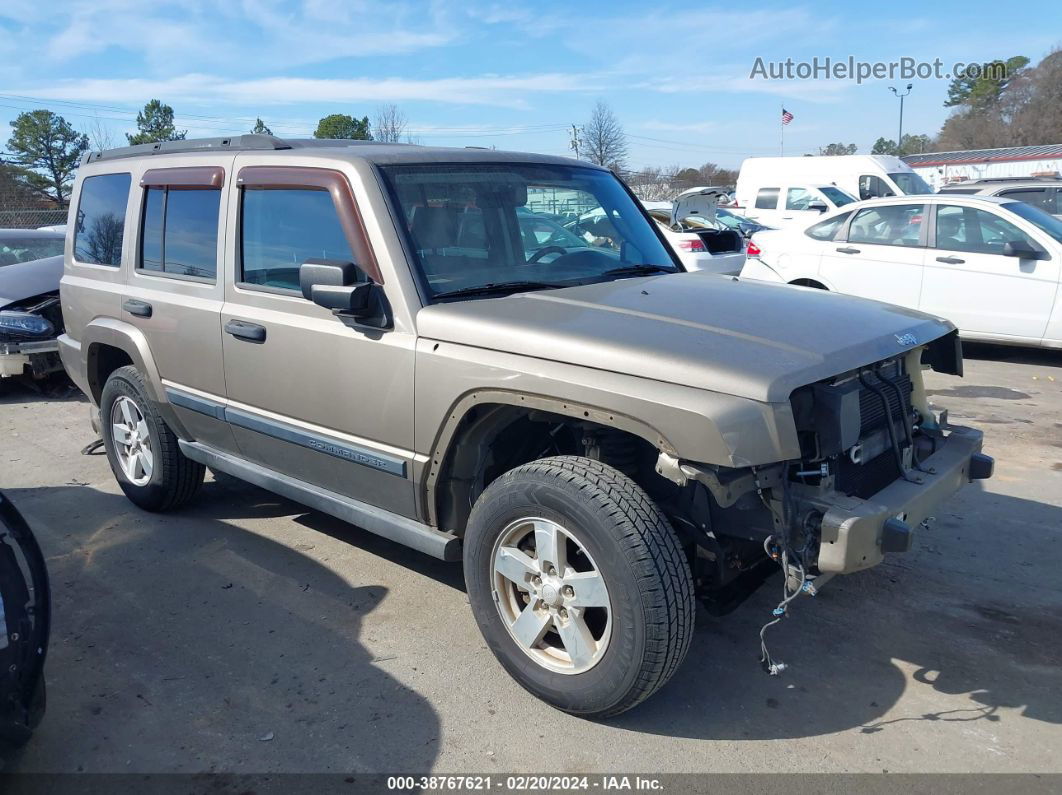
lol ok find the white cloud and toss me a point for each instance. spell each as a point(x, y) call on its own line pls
point(732, 82)
point(172, 34)
point(498, 90)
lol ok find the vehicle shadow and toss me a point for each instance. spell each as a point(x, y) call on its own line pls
point(55, 387)
point(945, 616)
point(221, 627)
point(237, 499)
point(1016, 354)
point(185, 643)
point(973, 612)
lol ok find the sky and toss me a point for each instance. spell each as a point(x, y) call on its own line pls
point(514, 75)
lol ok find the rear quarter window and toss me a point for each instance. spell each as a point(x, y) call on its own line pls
point(100, 222)
point(828, 229)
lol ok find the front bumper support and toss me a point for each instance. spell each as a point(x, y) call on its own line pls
point(856, 534)
point(40, 356)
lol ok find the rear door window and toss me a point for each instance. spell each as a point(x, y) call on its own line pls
point(100, 221)
point(767, 199)
point(180, 232)
point(892, 225)
point(1037, 197)
point(282, 228)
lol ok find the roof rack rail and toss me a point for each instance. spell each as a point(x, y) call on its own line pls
point(235, 143)
point(991, 180)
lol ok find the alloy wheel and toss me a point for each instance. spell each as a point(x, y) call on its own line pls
point(551, 595)
point(132, 441)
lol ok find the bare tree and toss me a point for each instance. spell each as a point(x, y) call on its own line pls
point(650, 184)
point(604, 141)
point(100, 136)
point(390, 125)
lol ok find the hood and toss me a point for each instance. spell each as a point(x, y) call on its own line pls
point(752, 339)
point(28, 279)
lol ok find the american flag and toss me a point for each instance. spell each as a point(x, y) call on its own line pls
point(786, 116)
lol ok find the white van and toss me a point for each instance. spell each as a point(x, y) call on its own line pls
point(776, 185)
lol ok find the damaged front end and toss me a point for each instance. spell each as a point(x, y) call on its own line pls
point(29, 332)
point(876, 460)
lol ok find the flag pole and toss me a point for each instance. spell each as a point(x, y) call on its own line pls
point(781, 139)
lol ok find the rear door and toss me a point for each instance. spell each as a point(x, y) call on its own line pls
point(175, 292)
point(881, 255)
point(971, 283)
point(321, 399)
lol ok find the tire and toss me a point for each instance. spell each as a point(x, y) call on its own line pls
point(173, 479)
point(609, 526)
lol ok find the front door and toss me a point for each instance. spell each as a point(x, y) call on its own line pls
point(971, 283)
point(312, 396)
point(881, 257)
point(796, 213)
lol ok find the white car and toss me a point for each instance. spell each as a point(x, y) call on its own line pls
point(989, 265)
point(701, 243)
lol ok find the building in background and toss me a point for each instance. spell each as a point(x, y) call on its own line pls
point(943, 168)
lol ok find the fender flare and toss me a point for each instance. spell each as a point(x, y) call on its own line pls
point(446, 436)
point(128, 338)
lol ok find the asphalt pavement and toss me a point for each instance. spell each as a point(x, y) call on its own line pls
point(246, 634)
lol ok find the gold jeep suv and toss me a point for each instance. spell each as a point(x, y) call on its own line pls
point(434, 346)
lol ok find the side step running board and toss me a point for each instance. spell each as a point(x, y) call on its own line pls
point(376, 520)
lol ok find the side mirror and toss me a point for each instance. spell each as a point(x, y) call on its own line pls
point(334, 285)
point(815, 204)
point(1019, 250)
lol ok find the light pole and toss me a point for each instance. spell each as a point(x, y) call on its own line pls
point(899, 137)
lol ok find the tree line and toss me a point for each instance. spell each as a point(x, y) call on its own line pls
point(46, 149)
point(1010, 103)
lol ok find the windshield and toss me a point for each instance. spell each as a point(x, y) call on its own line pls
point(836, 195)
point(24, 249)
point(910, 183)
point(481, 225)
point(1037, 217)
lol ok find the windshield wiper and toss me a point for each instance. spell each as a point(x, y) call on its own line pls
point(496, 288)
point(638, 270)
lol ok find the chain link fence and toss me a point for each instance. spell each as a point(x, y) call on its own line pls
point(30, 218)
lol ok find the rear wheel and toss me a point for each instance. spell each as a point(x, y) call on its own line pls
point(579, 585)
point(142, 450)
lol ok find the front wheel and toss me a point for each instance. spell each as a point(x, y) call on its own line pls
point(579, 585)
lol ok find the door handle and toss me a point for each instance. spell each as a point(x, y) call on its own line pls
point(847, 250)
point(951, 260)
point(251, 332)
point(138, 308)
